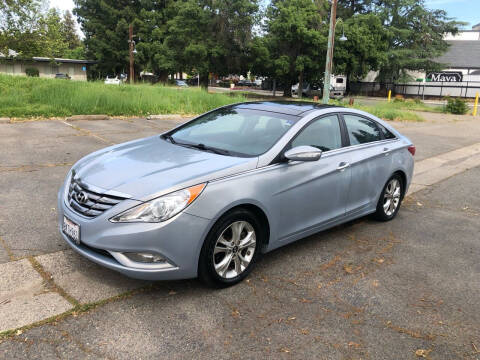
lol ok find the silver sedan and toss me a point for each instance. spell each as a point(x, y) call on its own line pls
point(209, 197)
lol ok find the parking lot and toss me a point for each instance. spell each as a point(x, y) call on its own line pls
point(365, 290)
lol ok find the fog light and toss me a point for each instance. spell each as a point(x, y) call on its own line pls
point(145, 257)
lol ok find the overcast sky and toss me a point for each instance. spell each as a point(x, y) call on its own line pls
point(462, 10)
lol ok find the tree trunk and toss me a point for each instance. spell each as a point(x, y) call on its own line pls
point(300, 85)
point(274, 87)
point(347, 85)
point(287, 91)
point(204, 81)
point(163, 76)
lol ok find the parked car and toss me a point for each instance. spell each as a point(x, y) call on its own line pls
point(181, 83)
point(245, 82)
point(209, 197)
point(337, 87)
point(62, 76)
point(306, 89)
point(192, 81)
point(112, 80)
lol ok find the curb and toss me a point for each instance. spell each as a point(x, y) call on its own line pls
point(167, 117)
point(5, 120)
point(88, 117)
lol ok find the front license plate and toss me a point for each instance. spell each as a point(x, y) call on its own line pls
point(71, 229)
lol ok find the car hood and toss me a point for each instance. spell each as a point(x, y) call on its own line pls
point(147, 168)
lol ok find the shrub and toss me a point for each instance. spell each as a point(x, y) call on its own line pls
point(399, 98)
point(456, 106)
point(31, 71)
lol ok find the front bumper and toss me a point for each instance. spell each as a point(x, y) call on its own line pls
point(179, 240)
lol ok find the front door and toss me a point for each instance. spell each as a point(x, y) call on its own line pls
point(306, 195)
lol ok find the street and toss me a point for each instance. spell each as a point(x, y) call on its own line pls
point(404, 289)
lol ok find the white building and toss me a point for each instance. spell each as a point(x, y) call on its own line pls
point(47, 67)
point(460, 76)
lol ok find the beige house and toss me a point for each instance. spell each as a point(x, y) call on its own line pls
point(47, 67)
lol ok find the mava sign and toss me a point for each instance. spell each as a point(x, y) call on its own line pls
point(445, 76)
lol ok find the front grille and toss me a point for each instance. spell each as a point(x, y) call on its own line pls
point(89, 203)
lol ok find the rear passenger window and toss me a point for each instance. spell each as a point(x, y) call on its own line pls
point(361, 130)
point(323, 133)
point(386, 133)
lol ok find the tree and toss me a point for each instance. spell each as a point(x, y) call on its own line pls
point(19, 26)
point(105, 25)
point(152, 30)
point(69, 31)
point(295, 41)
point(211, 36)
point(414, 35)
point(365, 50)
point(27, 27)
point(53, 41)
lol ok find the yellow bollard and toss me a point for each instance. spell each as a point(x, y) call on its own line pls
point(476, 106)
point(389, 95)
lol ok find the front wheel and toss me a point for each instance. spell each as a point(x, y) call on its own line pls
point(390, 199)
point(230, 249)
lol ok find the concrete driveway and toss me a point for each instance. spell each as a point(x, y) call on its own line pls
point(365, 290)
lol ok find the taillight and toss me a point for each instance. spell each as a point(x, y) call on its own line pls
point(412, 149)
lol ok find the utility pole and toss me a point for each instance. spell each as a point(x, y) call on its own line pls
point(130, 42)
point(330, 46)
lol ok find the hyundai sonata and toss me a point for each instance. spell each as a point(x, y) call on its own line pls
point(209, 197)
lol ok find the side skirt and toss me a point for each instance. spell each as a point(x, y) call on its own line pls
point(325, 226)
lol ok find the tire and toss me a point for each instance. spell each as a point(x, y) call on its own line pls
point(223, 246)
point(390, 199)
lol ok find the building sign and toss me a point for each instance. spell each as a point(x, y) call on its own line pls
point(445, 76)
point(84, 68)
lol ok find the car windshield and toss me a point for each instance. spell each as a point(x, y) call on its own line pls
point(234, 131)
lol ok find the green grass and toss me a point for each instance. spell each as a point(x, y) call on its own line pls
point(389, 111)
point(26, 97)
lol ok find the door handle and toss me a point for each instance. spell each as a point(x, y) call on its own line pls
point(342, 166)
point(386, 151)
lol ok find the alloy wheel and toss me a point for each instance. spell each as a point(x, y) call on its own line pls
point(234, 249)
point(391, 198)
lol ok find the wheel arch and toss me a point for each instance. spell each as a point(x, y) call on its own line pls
point(403, 176)
point(255, 209)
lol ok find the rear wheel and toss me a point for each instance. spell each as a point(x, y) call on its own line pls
point(231, 249)
point(390, 199)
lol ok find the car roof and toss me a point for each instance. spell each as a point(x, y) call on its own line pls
point(296, 108)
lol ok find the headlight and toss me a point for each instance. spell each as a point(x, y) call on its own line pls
point(162, 208)
point(66, 187)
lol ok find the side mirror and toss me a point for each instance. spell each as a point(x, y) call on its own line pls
point(303, 153)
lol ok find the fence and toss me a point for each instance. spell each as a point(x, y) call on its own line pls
point(417, 89)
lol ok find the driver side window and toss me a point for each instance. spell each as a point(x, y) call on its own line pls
point(323, 133)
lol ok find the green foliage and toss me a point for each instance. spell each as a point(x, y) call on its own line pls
point(211, 36)
point(294, 43)
point(69, 31)
point(32, 72)
point(19, 23)
point(387, 111)
point(414, 35)
point(456, 106)
point(105, 25)
point(365, 48)
point(27, 28)
point(32, 97)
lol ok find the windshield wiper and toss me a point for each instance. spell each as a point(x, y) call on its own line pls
point(206, 148)
point(170, 138)
point(197, 146)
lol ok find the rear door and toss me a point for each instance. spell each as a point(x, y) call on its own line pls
point(370, 162)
